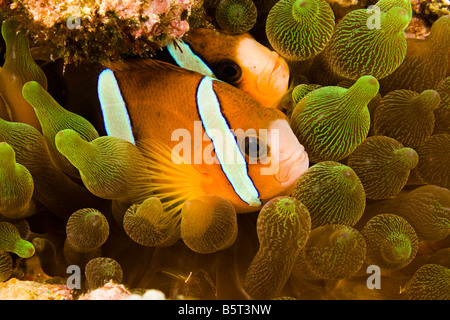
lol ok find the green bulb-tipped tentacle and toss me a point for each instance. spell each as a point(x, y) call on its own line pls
point(332, 252)
point(386, 5)
point(332, 121)
point(55, 190)
point(427, 100)
point(11, 241)
point(391, 242)
point(54, 118)
point(6, 265)
point(5, 112)
point(297, 94)
point(19, 68)
point(283, 227)
point(208, 224)
point(148, 224)
point(439, 32)
point(22, 225)
point(109, 166)
point(102, 270)
point(47, 255)
point(396, 248)
point(383, 164)
point(426, 208)
point(396, 19)
point(356, 49)
point(433, 160)
point(407, 116)
point(87, 229)
point(300, 29)
point(304, 10)
point(442, 113)
point(236, 16)
point(429, 282)
point(426, 61)
point(406, 158)
point(16, 185)
point(333, 194)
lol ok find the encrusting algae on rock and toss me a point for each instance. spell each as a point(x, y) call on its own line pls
point(284, 174)
point(100, 30)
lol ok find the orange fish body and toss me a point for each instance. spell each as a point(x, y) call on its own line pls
point(243, 62)
point(164, 103)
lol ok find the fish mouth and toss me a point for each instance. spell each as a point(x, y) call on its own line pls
point(274, 75)
point(292, 168)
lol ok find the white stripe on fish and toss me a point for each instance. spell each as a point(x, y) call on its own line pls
point(187, 59)
point(227, 151)
point(115, 113)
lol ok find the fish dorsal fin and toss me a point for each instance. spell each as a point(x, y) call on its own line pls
point(145, 64)
point(115, 112)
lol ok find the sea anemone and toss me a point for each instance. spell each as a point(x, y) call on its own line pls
point(283, 228)
point(208, 224)
point(433, 155)
point(102, 270)
point(426, 61)
point(102, 161)
point(6, 265)
point(300, 29)
point(380, 48)
point(406, 116)
point(383, 165)
point(50, 184)
point(16, 185)
point(333, 194)
point(430, 282)
point(391, 242)
point(442, 113)
point(426, 208)
point(54, 118)
point(11, 241)
point(332, 252)
point(19, 68)
point(148, 224)
point(122, 212)
point(236, 16)
point(332, 121)
point(87, 229)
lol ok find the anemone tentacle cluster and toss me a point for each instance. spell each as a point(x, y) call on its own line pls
point(236, 16)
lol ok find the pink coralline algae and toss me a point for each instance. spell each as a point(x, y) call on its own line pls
point(100, 30)
point(110, 291)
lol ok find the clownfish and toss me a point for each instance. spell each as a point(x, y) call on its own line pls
point(242, 62)
point(200, 135)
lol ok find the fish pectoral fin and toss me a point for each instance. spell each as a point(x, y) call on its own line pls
point(172, 181)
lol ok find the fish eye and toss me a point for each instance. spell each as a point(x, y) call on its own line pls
point(228, 71)
point(253, 148)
